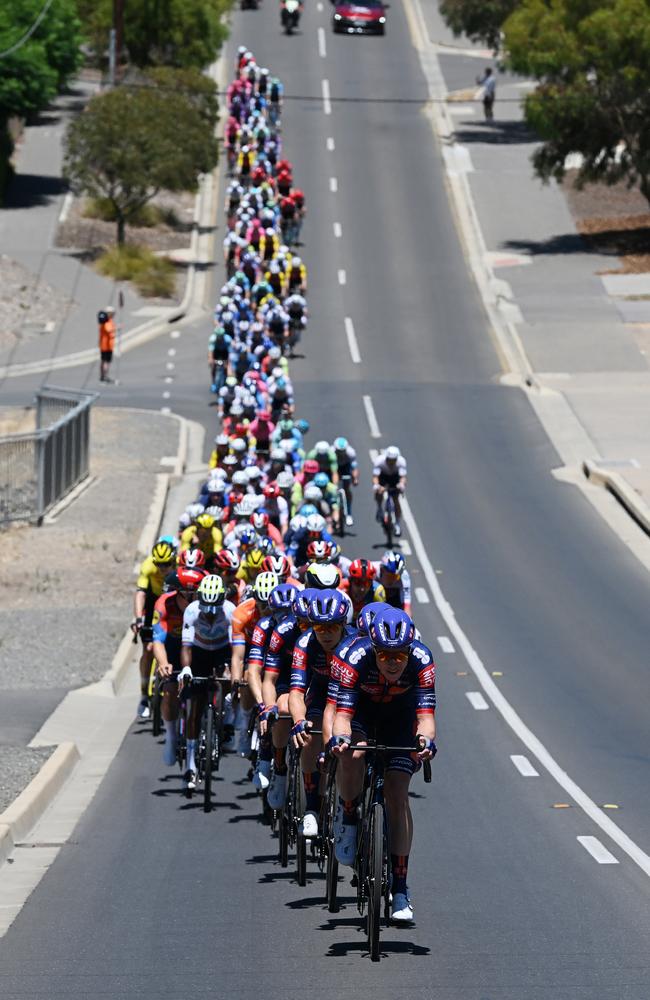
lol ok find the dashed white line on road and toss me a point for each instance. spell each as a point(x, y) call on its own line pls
point(334, 185)
point(172, 352)
point(319, 7)
point(66, 206)
point(166, 394)
point(331, 145)
point(405, 548)
point(170, 366)
point(352, 340)
point(322, 49)
point(338, 230)
point(597, 850)
point(421, 595)
point(327, 104)
point(168, 379)
point(523, 765)
point(477, 700)
point(372, 419)
point(446, 644)
point(175, 334)
point(342, 276)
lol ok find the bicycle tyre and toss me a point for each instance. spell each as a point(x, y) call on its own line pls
point(331, 880)
point(342, 511)
point(207, 775)
point(375, 879)
point(301, 860)
point(156, 710)
point(283, 840)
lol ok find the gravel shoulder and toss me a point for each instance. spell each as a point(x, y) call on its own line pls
point(18, 765)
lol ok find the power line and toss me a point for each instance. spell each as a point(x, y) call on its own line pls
point(28, 34)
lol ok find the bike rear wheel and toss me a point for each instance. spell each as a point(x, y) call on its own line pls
point(375, 879)
point(207, 777)
point(283, 839)
point(156, 709)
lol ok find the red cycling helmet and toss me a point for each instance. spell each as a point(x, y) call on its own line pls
point(226, 561)
point(189, 579)
point(311, 467)
point(259, 520)
point(319, 551)
point(272, 491)
point(191, 558)
point(362, 571)
point(277, 564)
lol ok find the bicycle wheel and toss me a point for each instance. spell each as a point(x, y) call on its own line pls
point(156, 709)
point(375, 878)
point(301, 860)
point(208, 749)
point(331, 864)
point(283, 839)
point(342, 510)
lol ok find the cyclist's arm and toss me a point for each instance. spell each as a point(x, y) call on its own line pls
point(256, 664)
point(406, 591)
point(425, 703)
point(139, 600)
point(159, 637)
point(269, 687)
point(237, 660)
point(298, 682)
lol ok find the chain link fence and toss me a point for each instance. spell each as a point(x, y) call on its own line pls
point(39, 467)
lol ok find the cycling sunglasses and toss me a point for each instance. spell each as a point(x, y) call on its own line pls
point(392, 655)
point(324, 627)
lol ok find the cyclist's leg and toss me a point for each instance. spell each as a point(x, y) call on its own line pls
point(169, 712)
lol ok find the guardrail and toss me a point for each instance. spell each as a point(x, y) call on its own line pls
point(38, 468)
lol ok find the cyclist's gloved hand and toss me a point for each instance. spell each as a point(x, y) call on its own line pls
point(427, 748)
point(137, 624)
point(338, 744)
point(300, 728)
point(185, 675)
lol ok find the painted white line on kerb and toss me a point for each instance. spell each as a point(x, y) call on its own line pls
point(446, 644)
point(352, 341)
point(322, 49)
point(334, 185)
point(338, 230)
point(421, 595)
point(523, 765)
point(66, 206)
point(476, 700)
point(342, 276)
point(501, 703)
point(331, 145)
point(372, 419)
point(327, 104)
point(597, 850)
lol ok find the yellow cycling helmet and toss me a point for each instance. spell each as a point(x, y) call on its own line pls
point(162, 553)
point(254, 559)
point(205, 521)
point(264, 584)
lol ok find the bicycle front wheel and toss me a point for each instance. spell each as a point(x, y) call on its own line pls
point(156, 709)
point(209, 750)
point(375, 876)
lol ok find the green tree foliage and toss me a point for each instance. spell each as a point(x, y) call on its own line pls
point(198, 88)
point(480, 20)
point(31, 76)
point(178, 33)
point(592, 58)
point(132, 142)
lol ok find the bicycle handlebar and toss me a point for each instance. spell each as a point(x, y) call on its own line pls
point(379, 748)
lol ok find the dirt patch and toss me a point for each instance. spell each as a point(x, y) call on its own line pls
point(614, 221)
point(17, 420)
point(27, 303)
point(94, 235)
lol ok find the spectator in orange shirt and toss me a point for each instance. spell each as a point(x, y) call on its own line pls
point(106, 341)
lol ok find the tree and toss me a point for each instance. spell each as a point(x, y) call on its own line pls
point(592, 58)
point(480, 20)
point(178, 33)
point(132, 142)
point(198, 88)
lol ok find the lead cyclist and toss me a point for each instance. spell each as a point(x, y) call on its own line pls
point(347, 472)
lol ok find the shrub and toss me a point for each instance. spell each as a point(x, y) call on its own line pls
point(152, 275)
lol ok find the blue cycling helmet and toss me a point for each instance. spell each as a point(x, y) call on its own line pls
point(328, 606)
point(321, 479)
point(282, 597)
point(247, 537)
point(266, 545)
point(393, 562)
point(307, 509)
point(302, 426)
point(367, 614)
point(391, 628)
point(301, 603)
point(340, 444)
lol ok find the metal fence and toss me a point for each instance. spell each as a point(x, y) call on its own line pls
point(38, 468)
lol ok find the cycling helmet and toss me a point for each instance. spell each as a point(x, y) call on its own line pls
point(306, 510)
point(361, 571)
point(367, 614)
point(340, 444)
point(228, 463)
point(226, 561)
point(216, 512)
point(281, 597)
point(240, 478)
point(188, 579)
point(322, 576)
point(302, 426)
point(277, 564)
point(391, 628)
point(285, 426)
point(259, 520)
point(191, 558)
point(231, 381)
point(264, 584)
point(205, 521)
point(238, 445)
point(328, 606)
point(162, 553)
point(298, 522)
point(319, 551)
point(311, 467)
point(393, 562)
point(266, 545)
point(253, 472)
point(247, 537)
point(278, 455)
point(301, 603)
point(316, 524)
point(212, 593)
point(392, 453)
point(272, 491)
point(285, 480)
point(194, 509)
point(255, 558)
point(312, 494)
point(321, 448)
point(321, 479)
point(296, 262)
point(288, 445)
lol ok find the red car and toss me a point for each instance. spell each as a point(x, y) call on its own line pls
point(356, 17)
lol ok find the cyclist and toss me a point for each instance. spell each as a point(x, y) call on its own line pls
point(244, 621)
point(204, 534)
point(314, 530)
point(205, 651)
point(167, 623)
point(389, 474)
point(310, 691)
point(394, 577)
point(149, 587)
point(226, 564)
point(386, 691)
point(326, 459)
point(361, 586)
point(347, 470)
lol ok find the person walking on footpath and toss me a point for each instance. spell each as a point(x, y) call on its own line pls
point(106, 341)
point(488, 84)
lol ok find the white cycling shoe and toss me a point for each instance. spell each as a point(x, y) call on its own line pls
point(401, 911)
point(189, 780)
point(309, 825)
point(262, 775)
point(144, 712)
point(277, 792)
point(349, 520)
point(345, 845)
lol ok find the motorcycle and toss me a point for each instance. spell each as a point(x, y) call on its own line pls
point(290, 15)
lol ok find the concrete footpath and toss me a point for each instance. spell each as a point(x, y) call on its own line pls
point(579, 338)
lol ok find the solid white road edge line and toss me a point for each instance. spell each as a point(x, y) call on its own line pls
point(327, 104)
point(372, 419)
point(476, 700)
point(352, 340)
point(523, 765)
point(322, 49)
point(446, 644)
point(500, 702)
point(172, 352)
point(597, 850)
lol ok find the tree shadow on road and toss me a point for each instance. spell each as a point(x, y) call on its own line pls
point(29, 190)
point(497, 133)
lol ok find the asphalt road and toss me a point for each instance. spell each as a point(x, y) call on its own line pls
point(158, 898)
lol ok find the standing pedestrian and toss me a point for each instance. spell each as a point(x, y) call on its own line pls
point(106, 341)
point(489, 85)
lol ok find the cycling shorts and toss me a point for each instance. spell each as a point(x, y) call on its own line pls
point(205, 662)
point(392, 724)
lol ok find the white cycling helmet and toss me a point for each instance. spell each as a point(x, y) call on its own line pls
point(321, 448)
point(285, 480)
point(392, 453)
point(313, 494)
point(315, 522)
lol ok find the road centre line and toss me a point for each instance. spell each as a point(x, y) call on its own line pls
point(166, 394)
point(477, 700)
point(322, 48)
point(421, 595)
point(446, 644)
point(371, 418)
point(503, 706)
point(172, 352)
point(342, 276)
point(597, 850)
point(352, 341)
point(334, 185)
point(319, 7)
point(327, 104)
point(168, 379)
point(170, 366)
point(331, 145)
point(338, 230)
point(523, 765)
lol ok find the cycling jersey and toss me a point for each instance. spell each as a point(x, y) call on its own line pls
point(167, 625)
point(209, 545)
point(207, 631)
point(359, 679)
point(389, 475)
point(375, 592)
point(346, 461)
point(244, 620)
point(279, 652)
point(151, 578)
point(261, 637)
point(310, 670)
point(398, 594)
